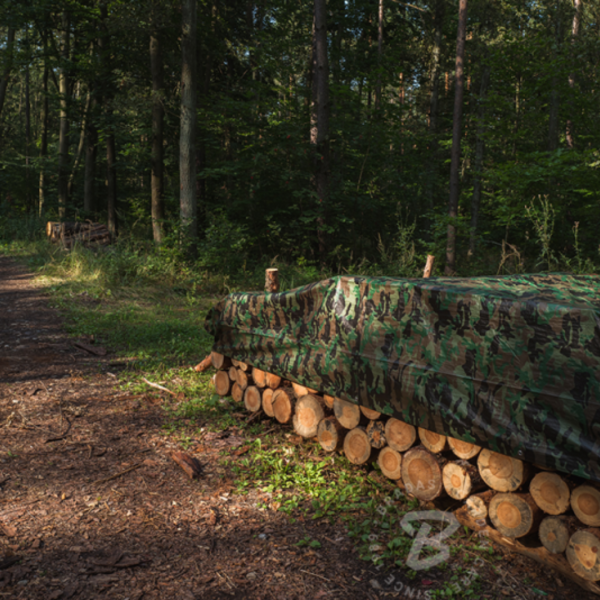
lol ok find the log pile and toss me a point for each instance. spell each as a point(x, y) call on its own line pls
point(69, 233)
point(506, 498)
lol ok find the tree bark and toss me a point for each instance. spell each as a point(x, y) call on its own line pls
point(91, 147)
point(10, 42)
point(321, 137)
point(63, 136)
point(187, 139)
point(81, 145)
point(456, 135)
point(157, 183)
point(43, 142)
point(379, 55)
point(570, 133)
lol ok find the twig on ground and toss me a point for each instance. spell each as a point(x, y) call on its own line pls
point(118, 474)
point(158, 387)
point(63, 435)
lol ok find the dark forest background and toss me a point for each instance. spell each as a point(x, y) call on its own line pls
point(227, 136)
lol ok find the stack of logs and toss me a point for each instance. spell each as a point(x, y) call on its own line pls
point(519, 499)
point(68, 233)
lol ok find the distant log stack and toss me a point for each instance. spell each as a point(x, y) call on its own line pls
point(70, 233)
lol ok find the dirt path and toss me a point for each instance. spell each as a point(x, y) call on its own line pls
point(93, 506)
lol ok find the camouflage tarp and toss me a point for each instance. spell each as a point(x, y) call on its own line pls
point(509, 363)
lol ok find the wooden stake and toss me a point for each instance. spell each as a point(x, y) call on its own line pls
point(308, 414)
point(222, 383)
point(422, 473)
point(428, 266)
point(271, 280)
point(514, 515)
point(502, 473)
point(555, 533)
point(464, 450)
point(399, 435)
point(356, 446)
point(283, 405)
point(390, 463)
point(550, 492)
point(375, 432)
point(434, 442)
point(585, 502)
point(347, 413)
point(330, 434)
point(252, 398)
point(219, 361)
point(582, 553)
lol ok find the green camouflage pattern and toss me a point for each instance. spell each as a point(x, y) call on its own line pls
point(509, 363)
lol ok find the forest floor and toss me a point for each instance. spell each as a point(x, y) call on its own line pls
point(92, 504)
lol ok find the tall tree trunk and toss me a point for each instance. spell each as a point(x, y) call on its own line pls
point(321, 79)
point(478, 160)
point(313, 86)
point(89, 178)
point(10, 42)
point(30, 200)
point(553, 126)
point(456, 135)
point(570, 134)
point(433, 101)
point(156, 183)
point(187, 138)
point(43, 141)
point(379, 55)
point(63, 136)
point(81, 144)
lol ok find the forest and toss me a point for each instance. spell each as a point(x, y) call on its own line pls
point(352, 136)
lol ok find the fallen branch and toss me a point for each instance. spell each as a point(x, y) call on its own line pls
point(204, 365)
point(158, 387)
point(116, 475)
point(63, 435)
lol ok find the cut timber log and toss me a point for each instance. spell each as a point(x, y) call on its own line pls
point(585, 502)
point(308, 414)
point(434, 442)
point(243, 379)
point(555, 532)
point(300, 390)
point(219, 361)
point(376, 434)
point(461, 479)
point(233, 374)
point(347, 413)
point(371, 414)
point(259, 377)
point(390, 463)
point(582, 553)
point(541, 555)
point(271, 280)
point(464, 450)
point(328, 401)
point(252, 398)
point(244, 367)
point(400, 436)
point(204, 365)
point(356, 446)
point(273, 381)
point(477, 505)
point(237, 393)
point(422, 473)
point(550, 492)
point(502, 473)
point(330, 434)
point(283, 405)
point(514, 515)
point(222, 383)
point(267, 401)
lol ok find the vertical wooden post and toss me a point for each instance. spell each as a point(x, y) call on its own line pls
point(429, 265)
point(272, 280)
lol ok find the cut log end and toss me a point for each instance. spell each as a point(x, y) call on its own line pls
point(267, 401)
point(219, 361)
point(400, 436)
point(328, 401)
point(283, 405)
point(356, 446)
point(464, 450)
point(390, 463)
point(259, 377)
point(252, 398)
point(501, 473)
point(459, 479)
point(422, 474)
point(514, 515)
point(243, 379)
point(554, 533)
point(222, 383)
point(237, 393)
point(330, 434)
point(371, 414)
point(376, 434)
point(308, 413)
point(273, 381)
point(583, 553)
point(585, 502)
point(550, 492)
point(434, 442)
point(347, 413)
